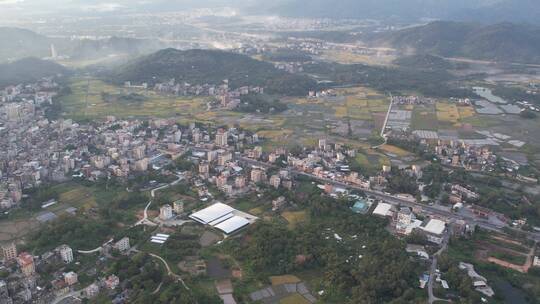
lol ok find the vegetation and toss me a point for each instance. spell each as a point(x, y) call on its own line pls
point(286, 55)
point(515, 94)
point(390, 79)
point(79, 233)
point(209, 66)
point(261, 104)
point(427, 62)
point(28, 70)
point(143, 275)
point(496, 42)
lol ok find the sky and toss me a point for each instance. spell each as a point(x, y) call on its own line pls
point(31, 7)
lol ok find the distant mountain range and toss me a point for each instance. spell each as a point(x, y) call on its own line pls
point(489, 11)
point(20, 43)
point(212, 67)
point(504, 42)
point(28, 70)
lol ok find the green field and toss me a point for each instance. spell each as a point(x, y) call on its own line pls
point(86, 102)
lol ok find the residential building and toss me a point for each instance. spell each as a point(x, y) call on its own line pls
point(221, 138)
point(9, 251)
point(26, 263)
point(66, 253)
point(275, 181)
point(165, 212)
point(178, 207)
point(123, 244)
point(71, 278)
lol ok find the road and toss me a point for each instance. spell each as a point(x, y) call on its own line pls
point(145, 220)
point(433, 268)
point(169, 271)
point(535, 236)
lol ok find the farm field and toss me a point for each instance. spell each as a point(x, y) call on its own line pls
point(352, 58)
point(24, 221)
point(441, 115)
point(87, 101)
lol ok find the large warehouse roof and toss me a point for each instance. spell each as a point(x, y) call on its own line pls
point(212, 213)
point(233, 224)
point(223, 217)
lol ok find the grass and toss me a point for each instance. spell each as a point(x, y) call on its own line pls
point(284, 279)
point(294, 217)
point(394, 150)
point(510, 258)
point(447, 112)
point(294, 298)
point(86, 102)
point(424, 118)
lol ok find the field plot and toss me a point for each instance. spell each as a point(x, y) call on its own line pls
point(346, 57)
point(447, 112)
point(424, 118)
point(92, 98)
point(505, 252)
point(284, 279)
point(294, 217)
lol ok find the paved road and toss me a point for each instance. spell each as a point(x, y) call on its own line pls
point(402, 202)
point(433, 268)
point(145, 220)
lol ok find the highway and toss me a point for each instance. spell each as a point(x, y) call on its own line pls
point(535, 236)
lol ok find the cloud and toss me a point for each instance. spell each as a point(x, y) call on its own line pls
point(10, 2)
point(103, 7)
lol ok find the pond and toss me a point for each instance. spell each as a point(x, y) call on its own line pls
point(510, 293)
point(487, 94)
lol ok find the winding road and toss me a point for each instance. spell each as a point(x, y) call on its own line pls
point(145, 220)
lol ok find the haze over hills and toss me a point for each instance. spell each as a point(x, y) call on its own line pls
point(500, 42)
point(489, 11)
point(28, 70)
point(212, 67)
point(26, 43)
point(19, 43)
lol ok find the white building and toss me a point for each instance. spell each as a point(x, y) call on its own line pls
point(165, 212)
point(122, 245)
point(434, 230)
point(66, 253)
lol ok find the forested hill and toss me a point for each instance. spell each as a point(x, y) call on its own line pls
point(505, 42)
point(212, 67)
point(19, 43)
point(28, 70)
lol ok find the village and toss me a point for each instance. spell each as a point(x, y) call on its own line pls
point(42, 151)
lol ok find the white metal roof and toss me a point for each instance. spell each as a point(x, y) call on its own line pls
point(211, 213)
point(435, 226)
point(382, 209)
point(232, 224)
point(157, 241)
point(159, 238)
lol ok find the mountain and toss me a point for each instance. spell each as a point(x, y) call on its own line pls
point(504, 42)
point(21, 43)
point(212, 67)
point(18, 43)
point(427, 62)
point(87, 49)
point(490, 11)
point(28, 70)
